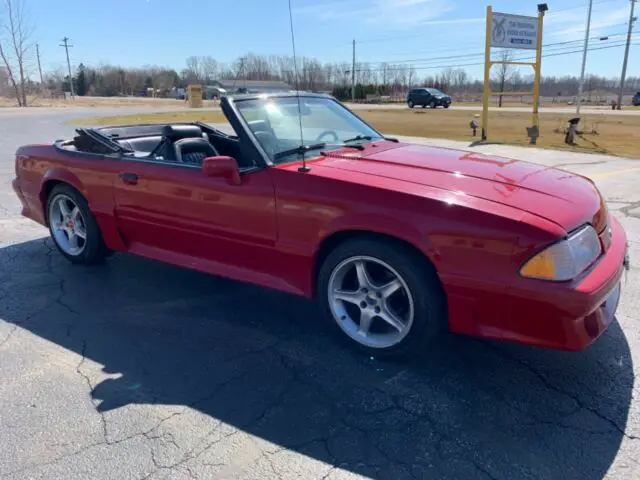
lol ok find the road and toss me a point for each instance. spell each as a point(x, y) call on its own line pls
point(526, 109)
point(137, 369)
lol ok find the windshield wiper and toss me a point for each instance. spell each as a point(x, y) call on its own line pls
point(358, 137)
point(305, 148)
point(369, 137)
point(301, 149)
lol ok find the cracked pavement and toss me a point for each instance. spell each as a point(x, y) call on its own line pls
point(140, 370)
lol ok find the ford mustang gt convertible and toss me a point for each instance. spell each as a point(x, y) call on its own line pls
point(395, 241)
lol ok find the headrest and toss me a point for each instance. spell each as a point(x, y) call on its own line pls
point(176, 132)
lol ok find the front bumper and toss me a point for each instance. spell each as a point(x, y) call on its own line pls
point(567, 315)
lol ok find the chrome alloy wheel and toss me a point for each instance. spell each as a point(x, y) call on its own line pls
point(370, 301)
point(67, 225)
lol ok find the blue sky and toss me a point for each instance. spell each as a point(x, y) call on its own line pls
point(165, 32)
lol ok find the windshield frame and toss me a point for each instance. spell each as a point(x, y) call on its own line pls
point(234, 101)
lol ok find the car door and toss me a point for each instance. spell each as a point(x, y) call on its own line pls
point(173, 212)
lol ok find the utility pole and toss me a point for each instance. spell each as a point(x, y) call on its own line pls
point(626, 55)
point(39, 65)
point(241, 70)
point(66, 47)
point(353, 73)
point(584, 58)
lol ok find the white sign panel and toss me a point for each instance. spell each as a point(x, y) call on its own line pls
point(514, 31)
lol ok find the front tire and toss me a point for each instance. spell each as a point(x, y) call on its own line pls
point(73, 228)
point(432, 104)
point(384, 298)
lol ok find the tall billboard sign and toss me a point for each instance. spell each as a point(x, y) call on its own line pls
point(520, 32)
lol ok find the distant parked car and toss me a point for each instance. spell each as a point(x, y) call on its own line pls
point(636, 100)
point(428, 97)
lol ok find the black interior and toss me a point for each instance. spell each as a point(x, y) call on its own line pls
point(180, 143)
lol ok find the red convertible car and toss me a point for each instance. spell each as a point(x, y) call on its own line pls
point(396, 241)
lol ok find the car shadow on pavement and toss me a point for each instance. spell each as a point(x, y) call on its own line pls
point(265, 363)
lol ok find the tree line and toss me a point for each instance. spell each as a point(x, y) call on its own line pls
point(382, 79)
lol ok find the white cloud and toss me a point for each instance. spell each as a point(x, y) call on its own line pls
point(570, 25)
point(383, 13)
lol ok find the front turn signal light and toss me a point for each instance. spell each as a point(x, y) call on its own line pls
point(565, 259)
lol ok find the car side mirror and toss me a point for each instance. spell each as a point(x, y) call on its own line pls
point(225, 167)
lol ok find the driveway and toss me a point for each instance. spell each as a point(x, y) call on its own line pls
point(137, 369)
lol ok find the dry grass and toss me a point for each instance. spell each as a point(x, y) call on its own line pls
point(613, 135)
point(35, 101)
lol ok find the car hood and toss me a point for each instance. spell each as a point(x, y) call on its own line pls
point(556, 195)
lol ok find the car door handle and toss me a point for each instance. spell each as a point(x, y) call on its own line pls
point(129, 178)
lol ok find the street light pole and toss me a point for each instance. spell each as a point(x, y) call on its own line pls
point(584, 58)
point(353, 73)
point(626, 55)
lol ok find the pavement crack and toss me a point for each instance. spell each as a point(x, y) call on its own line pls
point(571, 164)
point(550, 386)
point(483, 470)
point(87, 380)
point(9, 335)
point(627, 210)
point(60, 300)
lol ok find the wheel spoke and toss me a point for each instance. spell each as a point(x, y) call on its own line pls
point(348, 296)
point(388, 289)
point(73, 240)
point(366, 318)
point(74, 213)
point(363, 276)
point(392, 319)
point(64, 208)
point(80, 232)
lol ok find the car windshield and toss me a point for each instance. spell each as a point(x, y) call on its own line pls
point(286, 132)
point(434, 91)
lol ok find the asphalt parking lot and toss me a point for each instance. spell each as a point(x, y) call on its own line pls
point(137, 369)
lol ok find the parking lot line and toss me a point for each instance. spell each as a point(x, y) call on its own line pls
point(614, 172)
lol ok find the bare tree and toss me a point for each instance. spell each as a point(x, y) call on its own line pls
point(15, 32)
point(504, 72)
point(411, 75)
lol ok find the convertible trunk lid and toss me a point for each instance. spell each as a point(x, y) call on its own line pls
point(562, 197)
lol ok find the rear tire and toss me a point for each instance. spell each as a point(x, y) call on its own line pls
point(399, 307)
point(69, 219)
point(432, 104)
point(410, 103)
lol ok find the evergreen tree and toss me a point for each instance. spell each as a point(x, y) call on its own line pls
point(81, 81)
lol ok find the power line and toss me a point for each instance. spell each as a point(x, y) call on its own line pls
point(553, 46)
point(460, 47)
point(516, 59)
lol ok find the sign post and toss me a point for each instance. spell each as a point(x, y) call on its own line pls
point(504, 30)
point(487, 78)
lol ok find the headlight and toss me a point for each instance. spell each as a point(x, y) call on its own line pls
point(566, 259)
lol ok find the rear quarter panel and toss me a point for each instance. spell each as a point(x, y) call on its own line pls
point(39, 167)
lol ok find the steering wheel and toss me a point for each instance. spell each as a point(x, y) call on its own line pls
point(329, 132)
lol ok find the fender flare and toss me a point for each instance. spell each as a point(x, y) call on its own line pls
point(381, 224)
point(57, 174)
